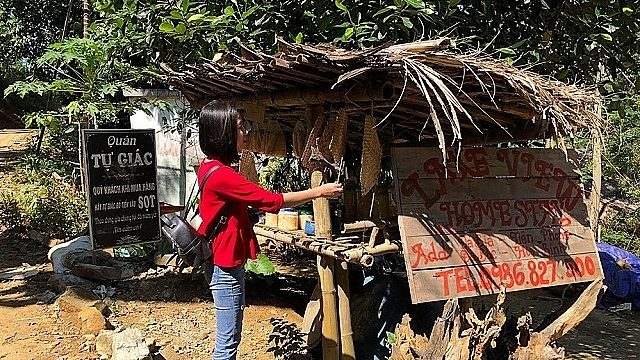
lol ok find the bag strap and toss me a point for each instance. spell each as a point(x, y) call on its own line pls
point(225, 207)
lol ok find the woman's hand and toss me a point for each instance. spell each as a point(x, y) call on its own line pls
point(330, 190)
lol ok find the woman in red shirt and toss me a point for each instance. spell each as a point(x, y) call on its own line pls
point(222, 137)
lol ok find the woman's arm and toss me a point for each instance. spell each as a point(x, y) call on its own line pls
point(330, 190)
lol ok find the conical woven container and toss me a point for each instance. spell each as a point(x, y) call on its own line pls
point(325, 138)
point(371, 156)
point(252, 141)
point(316, 130)
point(299, 139)
point(339, 138)
point(256, 137)
point(275, 144)
point(247, 166)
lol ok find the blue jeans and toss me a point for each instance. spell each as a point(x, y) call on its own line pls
point(227, 287)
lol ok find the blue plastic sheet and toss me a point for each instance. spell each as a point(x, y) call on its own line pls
point(623, 285)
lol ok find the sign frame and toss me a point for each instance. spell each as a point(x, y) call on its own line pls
point(120, 177)
point(491, 216)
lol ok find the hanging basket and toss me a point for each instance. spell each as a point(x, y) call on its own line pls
point(371, 156)
point(339, 137)
point(247, 166)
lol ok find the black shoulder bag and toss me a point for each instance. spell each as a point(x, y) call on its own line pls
point(191, 247)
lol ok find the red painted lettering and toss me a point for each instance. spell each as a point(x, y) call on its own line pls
point(420, 255)
point(444, 274)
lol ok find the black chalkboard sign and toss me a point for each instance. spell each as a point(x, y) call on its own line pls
point(120, 170)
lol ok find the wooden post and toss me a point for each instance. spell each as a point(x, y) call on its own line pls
point(330, 328)
point(347, 351)
point(596, 188)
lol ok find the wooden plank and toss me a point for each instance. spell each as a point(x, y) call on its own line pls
point(483, 279)
point(485, 162)
point(426, 252)
point(427, 192)
point(492, 214)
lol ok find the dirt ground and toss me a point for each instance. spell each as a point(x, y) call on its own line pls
point(176, 312)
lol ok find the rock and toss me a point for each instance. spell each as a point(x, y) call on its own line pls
point(75, 299)
point(104, 343)
point(60, 282)
point(166, 260)
point(98, 272)
point(39, 237)
point(129, 344)
point(20, 273)
point(46, 297)
point(93, 321)
point(88, 343)
point(57, 252)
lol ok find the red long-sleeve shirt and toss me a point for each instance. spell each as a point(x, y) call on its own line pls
point(235, 241)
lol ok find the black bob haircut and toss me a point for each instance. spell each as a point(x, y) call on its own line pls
point(218, 131)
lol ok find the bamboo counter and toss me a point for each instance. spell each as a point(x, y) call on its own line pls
point(341, 248)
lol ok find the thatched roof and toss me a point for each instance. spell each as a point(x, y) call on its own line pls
point(417, 91)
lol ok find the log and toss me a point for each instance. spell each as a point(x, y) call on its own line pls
point(311, 96)
point(460, 335)
point(540, 345)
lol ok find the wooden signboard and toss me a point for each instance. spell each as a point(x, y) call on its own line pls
point(120, 169)
point(496, 216)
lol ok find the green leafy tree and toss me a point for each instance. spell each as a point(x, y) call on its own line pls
point(181, 31)
point(591, 42)
point(91, 78)
point(25, 32)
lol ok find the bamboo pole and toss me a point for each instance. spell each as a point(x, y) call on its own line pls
point(357, 226)
point(313, 96)
point(347, 351)
point(330, 327)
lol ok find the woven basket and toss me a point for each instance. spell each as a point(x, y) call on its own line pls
point(275, 144)
point(325, 139)
point(247, 166)
point(299, 139)
point(318, 126)
point(371, 156)
point(256, 137)
point(339, 138)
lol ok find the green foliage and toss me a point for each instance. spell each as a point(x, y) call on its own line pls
point(93, 75)
point(622, 155)
point(391, 338)
point(623, 230)
point(261, 266)
point(582, 42)
point(284, 175)
point(40, 193)
point(183, 31)
point(25, 33)
point(287, 339)
point(49, 204)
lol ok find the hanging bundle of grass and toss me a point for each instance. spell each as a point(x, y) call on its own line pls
point(338, 142)
point(371, 156)
point(299, 139)
point(247, 166)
